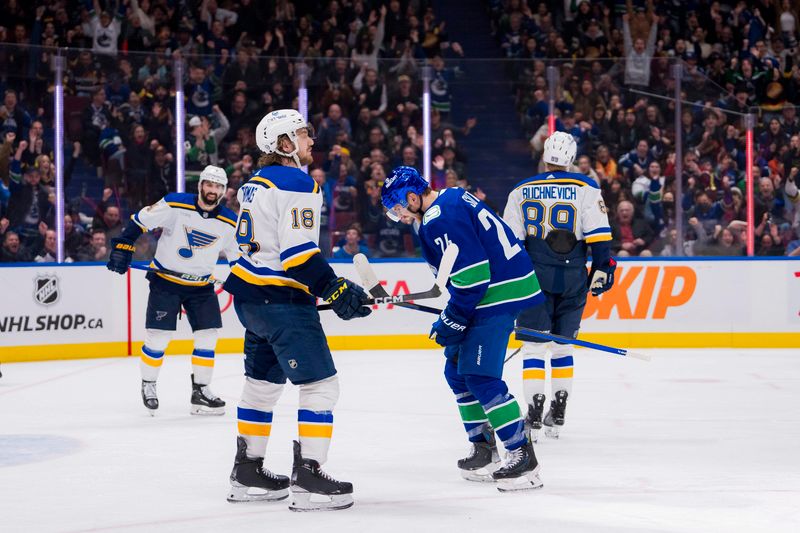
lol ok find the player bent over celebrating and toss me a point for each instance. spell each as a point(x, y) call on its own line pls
point(558, 215)
point(195, 230)
point(275, 284)
point(492, 280)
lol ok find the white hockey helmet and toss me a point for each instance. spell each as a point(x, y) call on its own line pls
point(559, 149)
point(277, 123)
point(214, 175)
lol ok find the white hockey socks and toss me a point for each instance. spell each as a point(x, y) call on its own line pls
point(533, 368)
point(255, 414)
point(561, 367)
point(205, 342)
point(155, 344)
point(315, 417)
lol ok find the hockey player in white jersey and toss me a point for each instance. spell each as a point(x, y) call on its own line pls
point(559, 215)
point(195, 229)
point(275, 284)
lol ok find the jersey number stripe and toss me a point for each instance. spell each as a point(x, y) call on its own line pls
point(244, 234)
point(561, 216)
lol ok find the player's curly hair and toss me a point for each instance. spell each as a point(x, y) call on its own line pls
point(266, 160)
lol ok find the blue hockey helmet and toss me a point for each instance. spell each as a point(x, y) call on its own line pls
point(402, 181)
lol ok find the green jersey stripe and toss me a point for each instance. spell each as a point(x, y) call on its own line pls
point(510, 291)
point(474, 274)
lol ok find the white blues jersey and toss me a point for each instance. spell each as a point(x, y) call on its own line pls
point(558, 200)
point(191, 239)
point(278, 235)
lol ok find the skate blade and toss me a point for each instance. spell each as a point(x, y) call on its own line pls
point(204, 410)
point(151, 412)
point(309, 501)
point(552, 431)
point(481, 475)
point(242, 494)
point(529, 481)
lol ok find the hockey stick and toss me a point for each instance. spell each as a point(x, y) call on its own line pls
point(510, 357)
point(186, 277)
point(377, 291)
point(541, 335)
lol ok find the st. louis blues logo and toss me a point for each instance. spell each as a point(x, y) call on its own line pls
point(196, 239)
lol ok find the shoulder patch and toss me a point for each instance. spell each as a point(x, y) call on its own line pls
point(431, 214)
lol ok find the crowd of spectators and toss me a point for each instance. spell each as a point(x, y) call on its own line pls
point(614, 95)
point(241, 59)
point(361, 62)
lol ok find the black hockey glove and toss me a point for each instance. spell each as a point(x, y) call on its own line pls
point(121, 255)
point(450, 329)
point(346, 298)
point(601, 278)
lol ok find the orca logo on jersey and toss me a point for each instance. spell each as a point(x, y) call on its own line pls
point(196, 239)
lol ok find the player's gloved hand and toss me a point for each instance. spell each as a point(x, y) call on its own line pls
point(346, 298)
point(121, 255)
point(450, 329)
point(601, 278)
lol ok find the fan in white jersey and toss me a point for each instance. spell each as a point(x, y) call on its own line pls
point(275, 285)
point(559, 215)
point(195, 230)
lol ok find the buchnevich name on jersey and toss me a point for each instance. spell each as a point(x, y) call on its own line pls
point(549, 192)
point(191, 238)
point(492, 273)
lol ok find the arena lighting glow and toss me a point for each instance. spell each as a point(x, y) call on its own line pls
point(180, 125)
point(302, 96)
point(552, 84)
point(59, 112)
point(749, 121)
point(427, 74)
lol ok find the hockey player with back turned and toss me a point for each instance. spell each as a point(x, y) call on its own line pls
point(195, 229)
point(491, 281)
point(558, 215)
point(275, 284)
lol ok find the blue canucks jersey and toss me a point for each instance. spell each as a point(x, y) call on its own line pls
point(492, 273)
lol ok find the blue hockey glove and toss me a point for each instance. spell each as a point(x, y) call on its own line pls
point(346, 298)
point(121, 255)
point(601, 278)
point(450, 329)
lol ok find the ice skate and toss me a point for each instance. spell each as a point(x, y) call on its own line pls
point(149, 397)
point(251, 482)
point(520, 472)
point(482, 460)
point(533, 422)
point(205, 402)
point(315, 490)
point(554, 418)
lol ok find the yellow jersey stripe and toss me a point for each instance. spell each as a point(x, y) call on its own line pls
point(226, 220)
point(316, 187)
point(265, 181)
point(179, 204)
point(600, 237)
point(298, 259)
point(564, 181)
point(313, 430)
point(533, 373)
point(561, 372)
point(254, 430)
point(254, 279)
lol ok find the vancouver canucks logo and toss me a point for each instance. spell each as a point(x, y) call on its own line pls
point(196, 239)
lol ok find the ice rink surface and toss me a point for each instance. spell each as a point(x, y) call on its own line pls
point(696, 440)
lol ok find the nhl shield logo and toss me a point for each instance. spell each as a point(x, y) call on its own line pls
point(45, 289)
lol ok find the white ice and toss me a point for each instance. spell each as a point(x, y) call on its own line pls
point(696, 440)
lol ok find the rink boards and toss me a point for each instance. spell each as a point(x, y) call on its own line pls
point(50, 311)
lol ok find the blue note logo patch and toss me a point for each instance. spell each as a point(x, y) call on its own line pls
point(45, 289)
point(196, 239)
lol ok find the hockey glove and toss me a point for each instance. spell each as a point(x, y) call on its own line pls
point(450, 329)
point(121, 255)
point(346, 298)
point(601, 278)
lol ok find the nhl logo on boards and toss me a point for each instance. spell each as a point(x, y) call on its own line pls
point(45, 289)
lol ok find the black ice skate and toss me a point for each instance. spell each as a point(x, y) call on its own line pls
point(533, 422)
point(251, 482)
point(315, 490)
point(520, 472)
point(149, 396)
point(554, 418)
point(482, 460)
point(205, 402)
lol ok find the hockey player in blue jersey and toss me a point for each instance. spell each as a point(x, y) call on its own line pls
point(195, 229)
point(492, 280)
point(559, 215)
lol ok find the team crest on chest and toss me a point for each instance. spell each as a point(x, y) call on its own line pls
point(196, 239)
